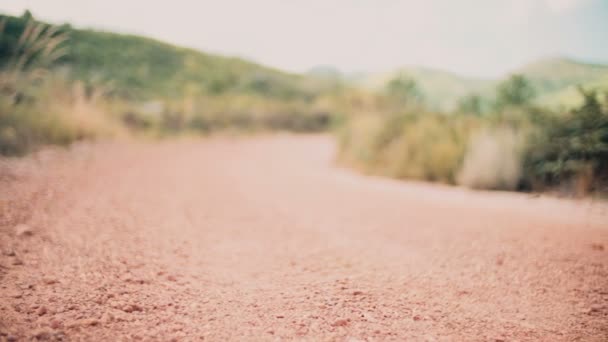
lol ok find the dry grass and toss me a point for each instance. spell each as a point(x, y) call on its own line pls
point(493, 160)
point(38, 106)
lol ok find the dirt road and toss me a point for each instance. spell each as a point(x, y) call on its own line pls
point(264, 239)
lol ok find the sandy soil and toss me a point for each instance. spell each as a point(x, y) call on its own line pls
point(264, 239)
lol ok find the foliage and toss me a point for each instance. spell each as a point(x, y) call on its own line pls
point(518, 147)
point(36, 108)
point(142, 68)
point(573, 146)
point(409, 144)
point(60, 84)
point(26, 59)
point(404, 90)
point(471, 104)
point(513, 92)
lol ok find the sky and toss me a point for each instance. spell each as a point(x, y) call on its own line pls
point(480, 38)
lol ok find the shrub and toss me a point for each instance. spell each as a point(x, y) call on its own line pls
point(571, 148)
point(417, 145)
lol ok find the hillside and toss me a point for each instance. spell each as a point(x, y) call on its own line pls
point(554, 74)
point(555, 80)
point(441, 89)
point(141, 67)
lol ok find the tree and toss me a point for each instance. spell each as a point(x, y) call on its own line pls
point(470, 104)
point(404, 89)
point(574, 145)
point(27, 15)
point(516, 91)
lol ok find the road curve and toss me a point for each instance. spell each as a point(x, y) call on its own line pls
point(265, 239)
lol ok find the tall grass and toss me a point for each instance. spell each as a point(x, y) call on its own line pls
point(415, 145)
point(37, 48)
point(42, 106)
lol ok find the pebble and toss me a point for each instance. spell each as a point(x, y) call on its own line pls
point(43, 334)
point(597, 246)
point(56, 324)
point(23, 230)
point(107, 317)
point(131, 307)
point(88, 322)
point(596, 308)
point(41, 311)
point(340, 323)
point(9, 252)
point(49, 281)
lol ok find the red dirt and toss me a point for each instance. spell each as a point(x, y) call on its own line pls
point(264, 239)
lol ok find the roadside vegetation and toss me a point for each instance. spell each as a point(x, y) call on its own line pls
point(59, 85)
point(507, 144)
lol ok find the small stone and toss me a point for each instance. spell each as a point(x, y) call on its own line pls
point(9, 252)
point(49, 281)
point(595, 308)
point(356, 293)
point(11, 338)
point(23, 230)
point(340, 323)
point(16, 294)
point(597, 247)
point(56, 324)
point(107, 317)
point(42, 334)
point(17, 262)
point(88, 322)
point(171, 278)
point(25, 286)
point(131, 307)
point(417, 318)
point(41, 311)
point(500, 261)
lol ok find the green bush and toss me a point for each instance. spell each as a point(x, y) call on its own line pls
point(571, 148)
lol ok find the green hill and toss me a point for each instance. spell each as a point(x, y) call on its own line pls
point(143, 68)
point(555, 80)
point(441, 89)
point(555, 74)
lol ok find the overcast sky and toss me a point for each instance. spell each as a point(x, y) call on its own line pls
point(473, 37)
